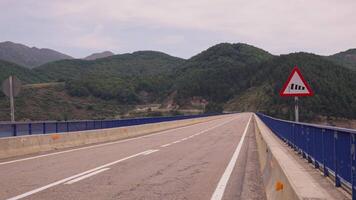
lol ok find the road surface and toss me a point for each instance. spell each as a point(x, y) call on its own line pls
point(211, 160)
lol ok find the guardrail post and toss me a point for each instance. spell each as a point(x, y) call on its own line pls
point(293, 133)
point(86, 125)
point(67, 124)
point(30, 129)
point(325, 170)
point(353, 166)
point(14, 130)
point(308, 149)
point(101, 124)
point(316, 164)
point(56, 127)
point(304, 143)
point(44, 128)
point(337, 178)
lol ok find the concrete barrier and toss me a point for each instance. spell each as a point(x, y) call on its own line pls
point(283, 177)
point(30, 144)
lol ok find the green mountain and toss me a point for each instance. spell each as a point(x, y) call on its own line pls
point(346, 58)
point(129, 78)
point(95, 56)
point(219, 73)
point(28, 56)
point(124, 65)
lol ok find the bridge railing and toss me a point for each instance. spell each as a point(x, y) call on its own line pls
point(330, 149)
point(44, 127)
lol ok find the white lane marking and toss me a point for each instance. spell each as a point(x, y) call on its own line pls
point(71, 177)
point(97, 168)
point(220, 188)
point(149, 152)
point(166, 145)
point(86, 176)
point(201, 132)
point(98, 145)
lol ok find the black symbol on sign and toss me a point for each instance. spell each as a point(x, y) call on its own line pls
point(296, 87)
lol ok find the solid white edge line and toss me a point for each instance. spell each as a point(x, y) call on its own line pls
point(220, 188)
point(86, 176)
point(97, 145)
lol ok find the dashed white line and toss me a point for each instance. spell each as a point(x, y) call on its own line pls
point(86, 176)
point(220, 188)
point(71, 177)
point(166, 145)
point(196, 134)
point(149, 152)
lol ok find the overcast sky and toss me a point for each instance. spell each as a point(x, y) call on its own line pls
point(181, 27)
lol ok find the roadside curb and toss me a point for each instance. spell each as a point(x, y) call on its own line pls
point(31, 144)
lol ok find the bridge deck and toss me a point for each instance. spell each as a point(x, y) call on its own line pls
point(182, 163)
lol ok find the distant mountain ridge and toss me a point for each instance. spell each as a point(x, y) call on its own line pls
point(95, 56)
point(29, 57)
point(121, 65)
point(345, 58)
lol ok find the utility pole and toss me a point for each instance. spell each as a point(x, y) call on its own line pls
point(11, 88)
point(12, 105)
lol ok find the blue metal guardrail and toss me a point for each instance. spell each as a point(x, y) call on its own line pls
point(29, 128)
point(330, 149)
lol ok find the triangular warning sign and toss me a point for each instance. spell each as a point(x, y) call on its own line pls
point(296, 85)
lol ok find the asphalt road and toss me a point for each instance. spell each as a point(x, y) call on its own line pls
point(211, 160)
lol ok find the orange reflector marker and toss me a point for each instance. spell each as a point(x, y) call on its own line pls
point(55, 136)
point(279, 186)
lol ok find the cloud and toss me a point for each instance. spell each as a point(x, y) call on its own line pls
point(182, 27)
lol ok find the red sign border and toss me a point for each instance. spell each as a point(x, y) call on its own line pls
point(296, 70)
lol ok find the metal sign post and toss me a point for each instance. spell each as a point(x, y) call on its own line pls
point(296, 109)
point(296, 86)
point(11, 87)
point(12, 105)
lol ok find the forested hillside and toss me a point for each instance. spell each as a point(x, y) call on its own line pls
point(139, 77)
point(124, 65)
point(24, 74)
point(219, 72)
point(230, 77)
